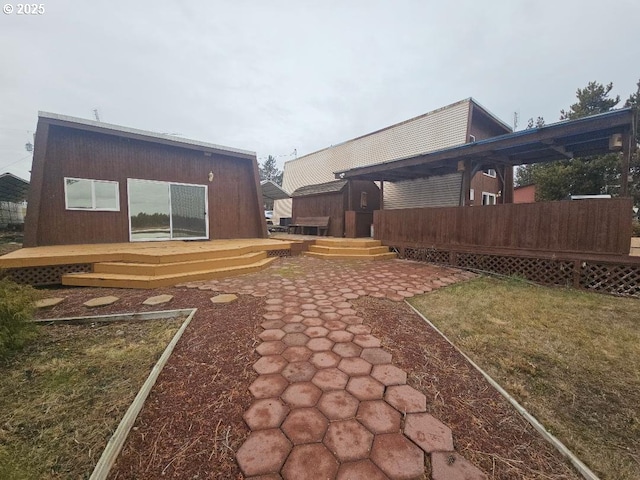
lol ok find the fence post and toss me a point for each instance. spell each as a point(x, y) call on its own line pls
point(577, 266)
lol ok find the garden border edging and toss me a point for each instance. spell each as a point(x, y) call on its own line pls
point(561, 447)
point(115, 443)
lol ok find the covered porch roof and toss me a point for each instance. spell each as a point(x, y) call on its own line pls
point(594, 135)
point(273, 191)
point(13, 189)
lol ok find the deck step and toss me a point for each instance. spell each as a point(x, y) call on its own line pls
point(348, 242)
point(115, 280)
point(344, 250)
point(159, 269)
point(333, 256)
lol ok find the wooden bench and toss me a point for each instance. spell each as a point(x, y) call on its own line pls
point(321, 224)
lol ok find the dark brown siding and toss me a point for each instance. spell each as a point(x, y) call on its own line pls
point(323, 205)
point(582, 226)
point(373, 195)
point(233, 200)
point(484, 183)
point(483, 127)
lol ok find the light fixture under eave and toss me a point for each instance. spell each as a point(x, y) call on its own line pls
point(210, 176)
point(615, 142)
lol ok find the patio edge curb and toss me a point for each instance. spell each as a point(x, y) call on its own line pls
point(561, 447)
point(111, 451)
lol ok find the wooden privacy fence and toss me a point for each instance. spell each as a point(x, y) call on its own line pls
point(581, 244)
point(601, 226)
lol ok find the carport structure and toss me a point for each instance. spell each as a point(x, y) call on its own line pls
point(608, 132)
point(583, 243)
point(13, 192)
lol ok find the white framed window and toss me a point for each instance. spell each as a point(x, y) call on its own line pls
point(472, 194)
point(488, 198)
point(490, 172)
point(88, 194)
point(167, 210)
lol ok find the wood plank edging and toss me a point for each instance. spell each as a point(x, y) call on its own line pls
point(111, 451)
point(549, 437)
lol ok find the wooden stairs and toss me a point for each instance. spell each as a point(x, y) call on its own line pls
point(344, 248)
point(146, 272)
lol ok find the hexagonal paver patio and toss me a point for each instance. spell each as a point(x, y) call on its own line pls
point(327, 401)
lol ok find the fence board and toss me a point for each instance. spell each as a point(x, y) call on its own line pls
point(598, 226)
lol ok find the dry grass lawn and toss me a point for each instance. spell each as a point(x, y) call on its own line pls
point(64, 395)
point(571, 358)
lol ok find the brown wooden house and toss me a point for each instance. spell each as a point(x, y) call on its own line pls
point(93, 182)
point(349, 204)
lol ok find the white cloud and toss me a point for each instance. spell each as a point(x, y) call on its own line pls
point(278, 75)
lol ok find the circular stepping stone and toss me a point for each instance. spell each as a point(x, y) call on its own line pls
point(100, 302)
point(48, 302)
point(158, 300)
point(224, 298)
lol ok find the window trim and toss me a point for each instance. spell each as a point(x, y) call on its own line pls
point(93, 195)
point(489, 195)
point(472, 194)
point(488, 173)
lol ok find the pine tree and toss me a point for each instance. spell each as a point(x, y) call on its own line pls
point(269, 171)
point(578, 176)
point(592, 99)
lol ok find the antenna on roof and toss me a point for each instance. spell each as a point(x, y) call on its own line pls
point(516, 116)
point(95, 113)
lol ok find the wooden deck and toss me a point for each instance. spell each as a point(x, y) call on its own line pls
point(141, 265)
point(143, 252)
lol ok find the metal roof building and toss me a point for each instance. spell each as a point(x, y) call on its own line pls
point(455, 124)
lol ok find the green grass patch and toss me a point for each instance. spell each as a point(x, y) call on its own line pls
point(572, 358)
point(16, 311)
point(64, 395)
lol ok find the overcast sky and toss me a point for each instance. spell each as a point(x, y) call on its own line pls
point(272, 76)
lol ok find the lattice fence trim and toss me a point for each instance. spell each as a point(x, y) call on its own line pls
point(49, 275)
point(617, 279)
point(279, 253)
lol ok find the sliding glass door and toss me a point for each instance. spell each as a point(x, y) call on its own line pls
point(167, 211)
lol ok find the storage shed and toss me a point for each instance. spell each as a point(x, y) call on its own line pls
point(349, 204)
point(94, 182)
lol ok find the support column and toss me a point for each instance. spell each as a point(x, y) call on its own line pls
point(626, 161)
point(381, 194)
point(465, 167)
point(507, 187)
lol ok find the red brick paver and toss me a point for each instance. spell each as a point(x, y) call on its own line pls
point(328, 401)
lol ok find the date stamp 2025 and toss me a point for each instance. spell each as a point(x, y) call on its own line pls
point(23, 9)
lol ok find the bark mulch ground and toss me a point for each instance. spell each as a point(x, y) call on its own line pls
point(192, 424)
